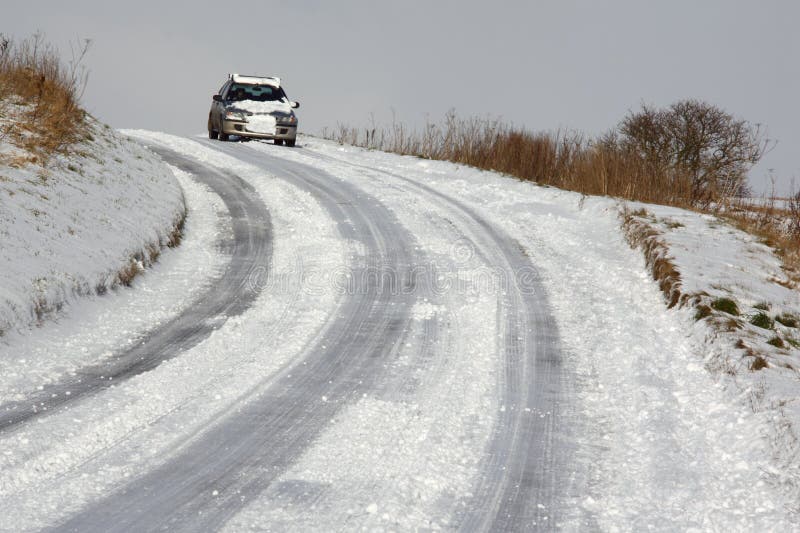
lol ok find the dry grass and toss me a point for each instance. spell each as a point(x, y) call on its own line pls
point(776, 222)
point(568, 160)
point(42, 93)
point(576, 162)
point(641, 235)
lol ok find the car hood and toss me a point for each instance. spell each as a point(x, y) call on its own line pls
point(262, 108)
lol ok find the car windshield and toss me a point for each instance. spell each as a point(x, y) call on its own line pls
point(257, 93)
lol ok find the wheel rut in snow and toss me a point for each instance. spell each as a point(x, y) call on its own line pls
point(227, 296)
point(242, 455)
point(525, 482)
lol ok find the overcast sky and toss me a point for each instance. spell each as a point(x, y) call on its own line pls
point(541, 65)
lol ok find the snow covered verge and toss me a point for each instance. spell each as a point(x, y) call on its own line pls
point(88, 221)
point(746, 309)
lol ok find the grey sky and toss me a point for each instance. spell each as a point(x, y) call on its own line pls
point(542, 65)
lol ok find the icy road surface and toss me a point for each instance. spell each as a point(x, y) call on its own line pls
point(390, 344)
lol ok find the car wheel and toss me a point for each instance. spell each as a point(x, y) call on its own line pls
point(212, 133)
point(279, 141)
point(223, 136)
point(290, 142)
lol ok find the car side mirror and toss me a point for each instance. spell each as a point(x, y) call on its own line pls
point(295, 105)
point(217, 97)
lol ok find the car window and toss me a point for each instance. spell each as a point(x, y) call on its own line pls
point(224, 86)
point(258, 93)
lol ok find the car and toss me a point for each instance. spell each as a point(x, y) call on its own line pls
point(253, 107)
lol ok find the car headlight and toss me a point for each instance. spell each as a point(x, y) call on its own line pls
point(288, 121)
point(234, 115)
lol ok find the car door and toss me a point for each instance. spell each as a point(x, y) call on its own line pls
point(218, 108)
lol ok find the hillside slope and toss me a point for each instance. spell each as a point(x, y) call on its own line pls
point(88, 221)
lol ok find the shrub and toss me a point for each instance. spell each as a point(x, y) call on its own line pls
point(763, 321)
point(726, 305)
point(763, 306)
point(696, 141)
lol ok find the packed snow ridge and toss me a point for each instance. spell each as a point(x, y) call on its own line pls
point(84, 223)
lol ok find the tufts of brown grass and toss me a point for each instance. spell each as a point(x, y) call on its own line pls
point(149, 255)
point(568, 160)
point(605, 165)
point(759, 363)
point(40, 94)
point(776, 224)
point(640, 234)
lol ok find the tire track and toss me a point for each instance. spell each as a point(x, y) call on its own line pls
point(526, 481)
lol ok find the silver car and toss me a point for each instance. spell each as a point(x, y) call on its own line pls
point(253, 107)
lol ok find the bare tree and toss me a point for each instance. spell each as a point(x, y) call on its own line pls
point(699, 141)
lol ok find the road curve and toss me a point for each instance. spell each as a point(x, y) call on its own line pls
point(245, 452)
point(525, 474)
point(524, 471)
point(227, 296)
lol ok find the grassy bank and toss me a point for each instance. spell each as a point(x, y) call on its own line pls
point(41, 92)
point(609, 164)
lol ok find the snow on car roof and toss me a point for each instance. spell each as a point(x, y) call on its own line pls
point(256, 80)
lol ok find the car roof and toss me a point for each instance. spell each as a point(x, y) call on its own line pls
point(256, 80)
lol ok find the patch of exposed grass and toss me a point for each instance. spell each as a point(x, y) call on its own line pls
point(703, 311)
point(730, 324)
point(128, 274)
point(726, 305)
point(664, 272)
point(762, 320)
point(787, 319)
point(673, 224)
point(758, 363)
point(777, 342)
point(763, 306)
point(176, 235)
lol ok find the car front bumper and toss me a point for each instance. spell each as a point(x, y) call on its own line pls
point(236, 127)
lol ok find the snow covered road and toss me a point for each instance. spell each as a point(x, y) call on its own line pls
point(391, 344)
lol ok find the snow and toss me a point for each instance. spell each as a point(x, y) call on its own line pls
point(663, 440)
point(715, 261)
point(261, 123)
point(94, 447)
point(660, 442)
point(715, 257)
point(92, 328)
point(69, 229)
point(260, 108)
point(257, 80)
